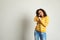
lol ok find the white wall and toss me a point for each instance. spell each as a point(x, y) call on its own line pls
point(16, 19)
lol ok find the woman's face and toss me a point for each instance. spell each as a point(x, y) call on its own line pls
point(41, 13)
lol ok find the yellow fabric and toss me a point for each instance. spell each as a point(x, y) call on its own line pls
point(39, 27)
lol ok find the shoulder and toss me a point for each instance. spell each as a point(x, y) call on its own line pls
point(47, 17)
point(35, 17)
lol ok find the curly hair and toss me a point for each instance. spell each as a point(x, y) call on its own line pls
point(42, 11)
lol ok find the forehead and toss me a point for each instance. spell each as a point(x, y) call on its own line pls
point(40, 11)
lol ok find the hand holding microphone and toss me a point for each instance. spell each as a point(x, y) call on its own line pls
point(39, 20)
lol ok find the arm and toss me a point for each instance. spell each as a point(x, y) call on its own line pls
point(45, 22)
point(36, 19)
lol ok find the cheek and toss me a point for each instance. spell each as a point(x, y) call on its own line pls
point(39, 13)
point(42, 14)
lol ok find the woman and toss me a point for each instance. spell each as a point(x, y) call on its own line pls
point(42, 20)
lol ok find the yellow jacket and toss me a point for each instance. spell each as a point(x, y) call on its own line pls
point(39, 27)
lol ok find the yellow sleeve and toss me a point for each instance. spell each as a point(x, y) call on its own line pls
point(45, 21)
point(35, 19)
